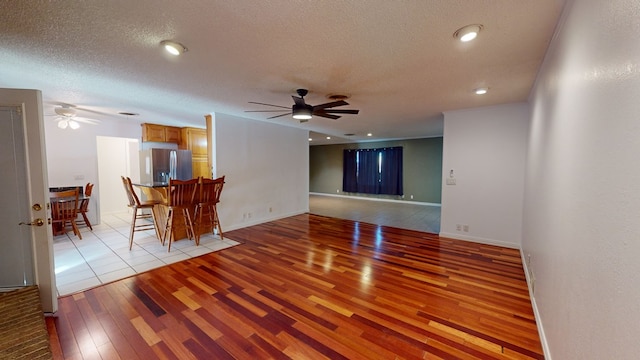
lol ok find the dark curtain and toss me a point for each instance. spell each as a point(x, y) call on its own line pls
point(368, 179)
point(349, 171)
point(361, 174)
point(391, 171)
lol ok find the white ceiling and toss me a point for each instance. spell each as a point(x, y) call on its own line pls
point(398, 60)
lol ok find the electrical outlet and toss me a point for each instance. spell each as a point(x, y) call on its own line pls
point(451, 181)
point(411, 197)
point(465, 228)
point(458, 227)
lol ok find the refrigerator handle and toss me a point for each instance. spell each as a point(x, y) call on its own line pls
point(173, 164)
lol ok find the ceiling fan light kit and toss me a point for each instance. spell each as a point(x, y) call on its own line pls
point(302, 112)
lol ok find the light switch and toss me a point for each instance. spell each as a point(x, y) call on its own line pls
point(451, 181)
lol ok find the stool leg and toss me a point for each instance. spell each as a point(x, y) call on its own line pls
point(168, 229)
point(133, 227)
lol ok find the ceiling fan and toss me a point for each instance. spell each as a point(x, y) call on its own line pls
point(66, 116)
point(303, 111)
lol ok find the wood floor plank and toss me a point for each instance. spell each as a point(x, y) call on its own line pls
point(313, 287)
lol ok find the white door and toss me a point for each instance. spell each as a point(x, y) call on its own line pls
point(26, 253)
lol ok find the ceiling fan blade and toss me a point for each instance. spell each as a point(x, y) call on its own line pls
point(346, 111)
point(263, 110)
point(277, 116)
point(325, 115)
point(284, 107)
point(330, 105)
point(298, 100)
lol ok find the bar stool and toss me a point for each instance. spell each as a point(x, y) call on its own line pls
point(180, 198)
point(136, 205)
point(208, 196)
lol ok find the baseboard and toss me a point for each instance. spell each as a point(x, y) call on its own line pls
point(260, 221)
point(479, 240)
point(536, 312)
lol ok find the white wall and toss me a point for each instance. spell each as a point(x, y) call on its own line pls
point(486, 149)
point(582, 213)
point(266, 165)
point(266, 168)
point(116, 157)
point(72, 157)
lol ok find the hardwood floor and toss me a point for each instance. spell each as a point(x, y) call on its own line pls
point(312, 287)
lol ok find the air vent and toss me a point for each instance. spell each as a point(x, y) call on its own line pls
point(338, 97)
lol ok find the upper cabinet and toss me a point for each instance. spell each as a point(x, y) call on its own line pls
point(161, 133)
point(194, 139)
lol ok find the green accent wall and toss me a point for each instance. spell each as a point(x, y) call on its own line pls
point(422, 168)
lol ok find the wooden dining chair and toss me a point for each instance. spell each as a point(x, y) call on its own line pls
point(138, 207)
point(180, 199)
point(64, 210)
point(206, 211)
point(83, 207)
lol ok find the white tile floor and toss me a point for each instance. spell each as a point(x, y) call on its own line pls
point(103, 254)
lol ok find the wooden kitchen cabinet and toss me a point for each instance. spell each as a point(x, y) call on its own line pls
point(160, 133)
point(172, 134)
point(195, 139)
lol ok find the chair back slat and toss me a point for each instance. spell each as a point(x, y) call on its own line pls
point(66, 206)
point(84, 202)
point(182, 192)
point(134, 201)
point(209, 190)
point(64, 209)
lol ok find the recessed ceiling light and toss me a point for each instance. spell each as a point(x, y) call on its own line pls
point(467, 33)
point(369, 134)
point(328, 137)
point(481, 91)
point(310, 139)
point(173, 47)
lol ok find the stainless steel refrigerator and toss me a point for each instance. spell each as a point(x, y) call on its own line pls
point(158, 165)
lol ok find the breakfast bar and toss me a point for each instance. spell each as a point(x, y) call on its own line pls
point(158, 191)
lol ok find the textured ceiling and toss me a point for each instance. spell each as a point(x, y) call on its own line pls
point(397, 59)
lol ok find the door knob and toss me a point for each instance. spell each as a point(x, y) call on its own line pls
point(36, 222)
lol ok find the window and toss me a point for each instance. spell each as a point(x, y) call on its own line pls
point(372, 171)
